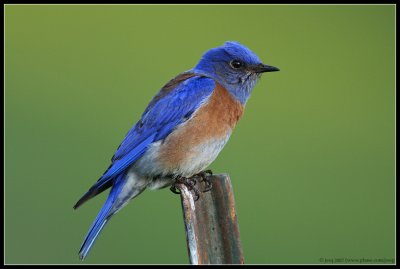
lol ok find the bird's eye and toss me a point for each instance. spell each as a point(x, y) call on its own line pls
point(236, 64)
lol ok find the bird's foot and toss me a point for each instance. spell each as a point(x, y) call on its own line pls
point(191, 182)
point(188, 182)
point(204, 177)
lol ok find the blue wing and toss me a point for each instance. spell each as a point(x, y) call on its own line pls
point(169, 108)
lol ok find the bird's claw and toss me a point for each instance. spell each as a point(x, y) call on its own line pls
point(204, 177)
point(208, 184)
point(189, 183)
point(175, 189)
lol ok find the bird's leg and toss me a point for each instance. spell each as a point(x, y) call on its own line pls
point(204, 176)
point(188, 182)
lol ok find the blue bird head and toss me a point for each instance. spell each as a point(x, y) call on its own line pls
point(235, 67)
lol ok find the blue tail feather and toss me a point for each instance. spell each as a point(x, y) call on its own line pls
point(102, 218)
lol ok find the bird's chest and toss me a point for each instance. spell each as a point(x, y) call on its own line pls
point(197, 142)
point(193, 145)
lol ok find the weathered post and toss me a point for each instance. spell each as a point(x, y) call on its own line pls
point(212, 231)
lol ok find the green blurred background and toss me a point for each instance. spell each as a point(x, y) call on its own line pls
point(312, 160)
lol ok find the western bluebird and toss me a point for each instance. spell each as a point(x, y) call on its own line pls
point(181, 132)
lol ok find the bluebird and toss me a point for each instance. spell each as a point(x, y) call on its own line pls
point(181, 131)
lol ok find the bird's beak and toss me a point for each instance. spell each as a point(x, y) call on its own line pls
point(261, 68)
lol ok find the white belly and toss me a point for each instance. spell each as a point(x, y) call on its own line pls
point(197, 160)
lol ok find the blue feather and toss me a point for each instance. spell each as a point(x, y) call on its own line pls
point(131, 156)
point(102, 218)
point(154, 125)
point(163, 117)
point(181, 102)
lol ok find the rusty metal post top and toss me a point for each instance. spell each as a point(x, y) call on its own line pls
point(212, 230)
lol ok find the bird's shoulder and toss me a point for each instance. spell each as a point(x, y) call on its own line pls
point(172, 105)
point(177, 100)
point(169, 86)
point(179, 87)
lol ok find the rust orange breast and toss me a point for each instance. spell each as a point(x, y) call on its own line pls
point(214, 120)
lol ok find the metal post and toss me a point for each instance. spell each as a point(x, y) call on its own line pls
point(212, 231)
